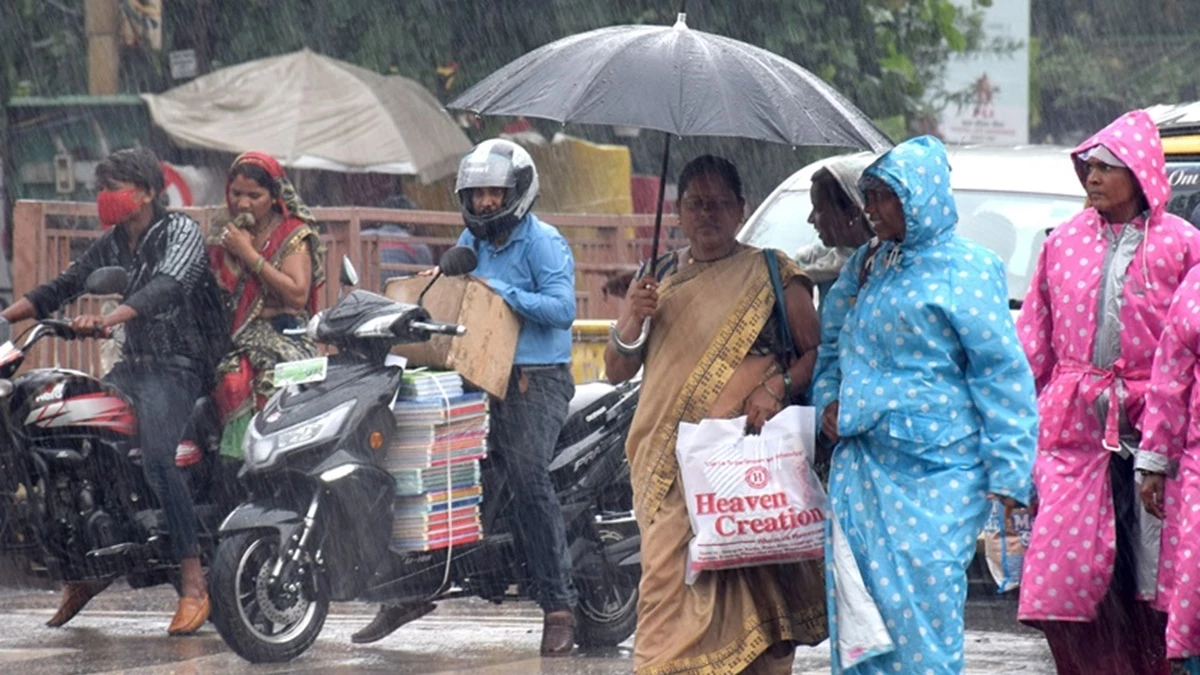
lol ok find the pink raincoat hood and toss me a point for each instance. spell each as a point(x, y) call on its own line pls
point(1133, 138)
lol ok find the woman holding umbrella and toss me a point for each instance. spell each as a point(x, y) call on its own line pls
point(732, 621)
point(690, 83)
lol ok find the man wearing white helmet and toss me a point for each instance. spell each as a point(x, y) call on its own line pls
point(530, 265)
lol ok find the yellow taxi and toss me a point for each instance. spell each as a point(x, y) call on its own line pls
point(1179, 126)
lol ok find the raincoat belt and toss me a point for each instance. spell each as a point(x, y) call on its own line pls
point(1091, 382)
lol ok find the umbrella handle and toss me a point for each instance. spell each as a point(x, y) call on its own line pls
point(636, 345)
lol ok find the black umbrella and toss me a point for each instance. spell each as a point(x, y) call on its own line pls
point(676, 80)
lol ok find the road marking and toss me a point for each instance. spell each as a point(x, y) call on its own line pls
point(497, 620)
point(11, 655)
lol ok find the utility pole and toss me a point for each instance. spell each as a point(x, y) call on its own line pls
point(200, 36)
point(102, 24)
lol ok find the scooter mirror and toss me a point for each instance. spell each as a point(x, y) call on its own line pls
point(107, 281)
point(458, 261)
point(349, 275)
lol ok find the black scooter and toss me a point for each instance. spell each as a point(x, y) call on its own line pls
point(317, 526)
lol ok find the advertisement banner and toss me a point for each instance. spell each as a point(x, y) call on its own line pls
point(984, 97)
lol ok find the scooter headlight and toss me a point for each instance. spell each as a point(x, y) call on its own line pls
point(261, 450)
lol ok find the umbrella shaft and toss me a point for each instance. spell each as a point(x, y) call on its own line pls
point(662, 192)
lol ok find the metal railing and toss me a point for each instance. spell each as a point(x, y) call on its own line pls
point(47, 235)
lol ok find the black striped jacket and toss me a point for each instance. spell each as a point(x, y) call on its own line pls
point(179, 309)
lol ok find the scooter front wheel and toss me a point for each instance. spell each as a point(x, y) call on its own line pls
point(264, 620)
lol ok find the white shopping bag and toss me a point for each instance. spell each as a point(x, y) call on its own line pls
point(861, 633)
point(752, 500)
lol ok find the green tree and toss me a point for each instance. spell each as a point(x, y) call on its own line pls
point(1097, 59)
point(41, 44)
point(880, 53)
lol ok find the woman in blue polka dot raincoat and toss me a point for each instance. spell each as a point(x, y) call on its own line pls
point(933, 401)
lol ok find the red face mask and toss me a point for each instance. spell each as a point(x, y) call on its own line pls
point(116, 206)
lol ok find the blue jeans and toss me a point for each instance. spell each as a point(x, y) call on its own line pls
point(524, 429)
point(163, 396)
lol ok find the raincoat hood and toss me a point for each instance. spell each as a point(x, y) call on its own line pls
point(1133, 138)
point(919, 173)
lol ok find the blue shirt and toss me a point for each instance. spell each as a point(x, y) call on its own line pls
point(534, 272)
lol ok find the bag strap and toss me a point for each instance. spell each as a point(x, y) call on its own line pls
point(784, 330)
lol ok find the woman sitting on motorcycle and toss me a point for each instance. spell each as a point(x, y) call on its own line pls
point(269, 261)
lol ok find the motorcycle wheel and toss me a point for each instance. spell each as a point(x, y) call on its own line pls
point(261, 622)
point(607, 611)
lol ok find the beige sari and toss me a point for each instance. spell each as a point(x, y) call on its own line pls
point(708, 317)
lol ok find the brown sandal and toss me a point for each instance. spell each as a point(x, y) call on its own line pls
point(76, 595)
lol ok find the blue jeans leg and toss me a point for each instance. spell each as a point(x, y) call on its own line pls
point(524, 429)
point(163, 399)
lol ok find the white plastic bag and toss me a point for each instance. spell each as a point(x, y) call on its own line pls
point(861, 632)
point(752, 500)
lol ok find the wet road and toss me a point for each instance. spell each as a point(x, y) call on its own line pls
point(125, 631)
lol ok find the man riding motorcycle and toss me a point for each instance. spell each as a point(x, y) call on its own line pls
point(174, 331)
point(530, 265)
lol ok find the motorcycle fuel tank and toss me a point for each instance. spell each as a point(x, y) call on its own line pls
point(56, 403)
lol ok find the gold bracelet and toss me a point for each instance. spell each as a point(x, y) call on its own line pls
point(258, 265)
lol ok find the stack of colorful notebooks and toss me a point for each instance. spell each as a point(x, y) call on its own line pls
point(441, 436)
point(423, 384)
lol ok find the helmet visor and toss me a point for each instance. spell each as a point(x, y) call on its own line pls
point(486, 167)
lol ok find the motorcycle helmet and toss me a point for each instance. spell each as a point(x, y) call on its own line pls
point(503, 164)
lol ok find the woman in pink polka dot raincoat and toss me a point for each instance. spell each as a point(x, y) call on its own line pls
point(1171, 447)
point(1090, 326)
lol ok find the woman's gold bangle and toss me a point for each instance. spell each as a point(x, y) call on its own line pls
point(258, 265)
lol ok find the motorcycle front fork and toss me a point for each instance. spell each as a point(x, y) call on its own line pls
point(289, 559)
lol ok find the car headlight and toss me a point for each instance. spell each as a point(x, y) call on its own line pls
point(260, 450)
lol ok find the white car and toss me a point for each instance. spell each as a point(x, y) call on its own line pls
point(1008, 200)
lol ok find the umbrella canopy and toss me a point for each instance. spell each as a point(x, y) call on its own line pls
point(314, 112)
point(678, 80)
